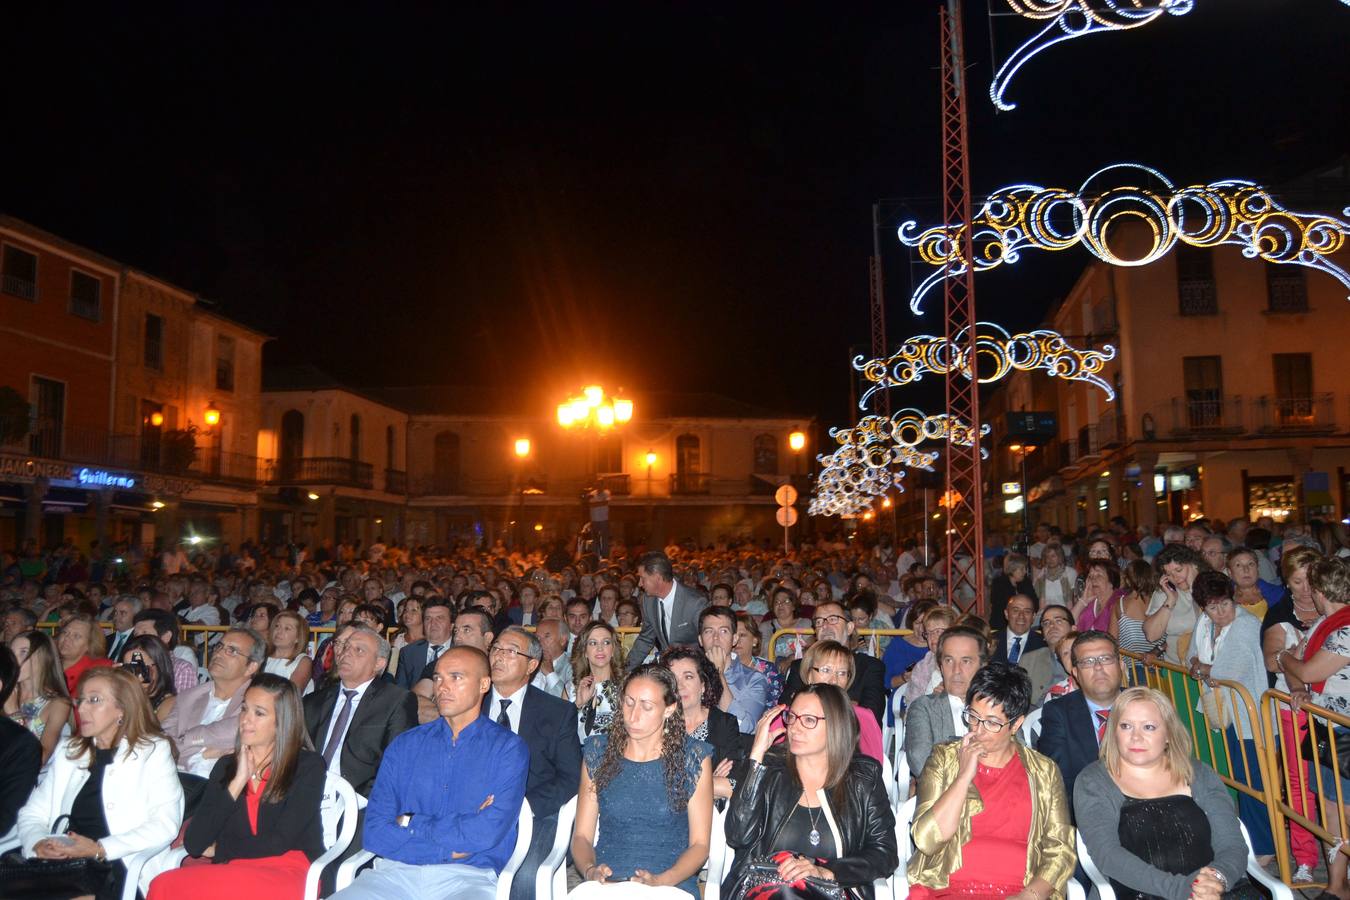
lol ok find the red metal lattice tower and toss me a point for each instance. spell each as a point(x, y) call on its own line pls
point(877, 296)
point(964, 500)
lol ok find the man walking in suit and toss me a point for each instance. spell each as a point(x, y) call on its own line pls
point(935, 718)
point(437, 622)
point(548, 726)
point(1073, 726)
point(352, 720)
point(669, 609)
point(832, 623)
point(1011, 643)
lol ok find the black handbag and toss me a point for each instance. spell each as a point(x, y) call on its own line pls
point(1326, 737)
point(759, 880)
point(44, 879)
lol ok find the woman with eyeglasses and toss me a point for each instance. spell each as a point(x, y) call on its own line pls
point(992, 819)
point(816, 811)
point(597, 664)
point(111, 792)
point(830, 662)
point(783, 614)
point(1226, 645)
point(1157, 823)
point(258, 818)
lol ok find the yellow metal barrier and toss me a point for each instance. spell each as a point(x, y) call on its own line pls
point(1305, 778)
point(811, 632)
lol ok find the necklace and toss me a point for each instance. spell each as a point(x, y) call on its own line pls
point(814, 836)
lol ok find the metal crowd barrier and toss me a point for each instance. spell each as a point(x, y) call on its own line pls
point(811, 632)
point(1309, 795)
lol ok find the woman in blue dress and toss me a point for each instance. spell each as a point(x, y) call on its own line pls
point(648, 788)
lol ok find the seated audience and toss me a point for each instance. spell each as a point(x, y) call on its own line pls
point(1140, 583)
point(163, 624)
point(81, 645)
point(832, 623)
point(903, 653)
point(829, 662)
point(1227, 646)
point(597, 673)
point(982, 842)
point(925, 676)
point(1064, 653)
point(288, 643)
point(747, 645)
point(1072, 726)
point(146, 658)
point(938, 717)
point(629, 614)
point(109, 793)
point(258, 817)
point(205, 719)
point(1014, 579)
point(40, 701)
point(648, 787)
point(785, 615)
point(548, 725)
point(745, 690)
point(1042, 664)
point(555, 671)
point(700, 689)
point(447, 843)
point(20, 751)
point(1018, 637)
point(820, 810)
point(438, 622)
point(1156, 822)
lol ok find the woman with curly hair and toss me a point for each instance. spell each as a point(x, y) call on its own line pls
point(597, 664)
point(649, 786)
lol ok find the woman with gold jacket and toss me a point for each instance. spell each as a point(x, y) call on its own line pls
point(992, 819)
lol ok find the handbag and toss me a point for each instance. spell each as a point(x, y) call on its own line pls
point(1216, 710)
point(1325, 738)
point(759, 880)
point(43, 879)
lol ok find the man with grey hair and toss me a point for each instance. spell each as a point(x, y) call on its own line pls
point(1173, 534)
point(205, 720)
point(1215, 549)
point(554, 675)
point(548, 726)
point(123, 620)
point(669, 610)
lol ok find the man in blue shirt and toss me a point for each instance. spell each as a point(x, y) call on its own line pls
point(745, 691)
point(442, 816)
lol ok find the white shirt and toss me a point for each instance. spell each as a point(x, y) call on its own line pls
point(1008, 643)
point(215, 709)
point(512, 711)
point(668, 604)
point(958, 706)
point(551, 683)
point(336, 766)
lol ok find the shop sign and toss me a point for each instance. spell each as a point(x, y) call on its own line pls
point(27, 468)
point(102, 479)
point(160, 484)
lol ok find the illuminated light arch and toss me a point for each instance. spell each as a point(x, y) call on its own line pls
point(1027, 216)
point(927, 354)
point(1069, 19)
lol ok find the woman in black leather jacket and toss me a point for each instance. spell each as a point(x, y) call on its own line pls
point(820, 808)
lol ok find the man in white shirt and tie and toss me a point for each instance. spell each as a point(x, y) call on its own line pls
point(123, 621)
point(1018, 638)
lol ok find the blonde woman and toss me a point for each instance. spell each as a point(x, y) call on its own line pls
point(1156, 822)
point(287, 641)
point(597, 667)
point(1056, 581)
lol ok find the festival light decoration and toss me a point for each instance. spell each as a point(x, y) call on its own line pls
point(1027, 216)
point(927, 354)
point(1069, 19)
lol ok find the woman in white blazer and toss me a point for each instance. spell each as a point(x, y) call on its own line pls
point(111, 792)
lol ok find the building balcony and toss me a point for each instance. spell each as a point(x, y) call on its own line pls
point(327, 470)
point(1313, 413)
point(395, 481)
point(683, 483)
point(1212, 415)
point(619, 484)
point(1111, 431)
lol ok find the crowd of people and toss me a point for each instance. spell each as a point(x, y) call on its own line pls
point(656, 687)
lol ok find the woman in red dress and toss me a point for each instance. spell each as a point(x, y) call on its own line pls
point(258, 819)
point(1008, 837)
point(81, 646)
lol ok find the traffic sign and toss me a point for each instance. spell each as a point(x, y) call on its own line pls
point(786, 495)
point(787, 516)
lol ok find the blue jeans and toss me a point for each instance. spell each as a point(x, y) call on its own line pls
point(1251, 811)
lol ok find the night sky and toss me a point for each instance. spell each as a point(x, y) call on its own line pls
point(656, 195)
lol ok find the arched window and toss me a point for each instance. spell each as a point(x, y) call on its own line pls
point(688, 466)
point(445, 463)
point(356, 438)
point(292, 443)
point(766, 455)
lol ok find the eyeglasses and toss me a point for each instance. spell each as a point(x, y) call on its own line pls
point(232, 650)
point(92, 700)
point(808, 721)
point(1097, 662)
point(831, 671)
point(501, 649)
point(1216, 605)
point(828, 620)
point(993, 726)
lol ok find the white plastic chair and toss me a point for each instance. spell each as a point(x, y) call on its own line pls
point(524, 831)
point(339, 829)
point(1278, 889)
point(888, 777)
point(1099, 881)
point(551, 879)
point(719, 856)
point(134, 863)
point(1031, 728)
point(898, 883)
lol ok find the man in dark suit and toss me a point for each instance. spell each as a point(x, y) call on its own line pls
point(548, 726)
point(1073, 726)
point(437, 622)
point(669, 609)
point(20, 751)
point(352, 720)
point(1018, 639)
point(832, 623)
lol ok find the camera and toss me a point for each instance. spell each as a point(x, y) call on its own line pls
point(138, 667)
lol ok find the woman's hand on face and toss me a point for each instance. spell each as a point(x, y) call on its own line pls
point(969, 755)
point(765, 732)
point(243, 768)
point(795, 867)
